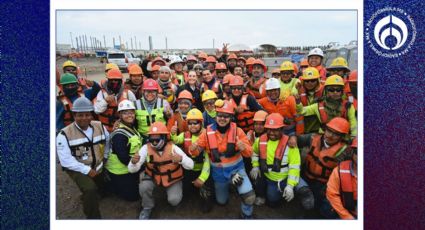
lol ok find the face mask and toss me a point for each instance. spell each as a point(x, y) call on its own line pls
point(70, 91)
point(114, 86)
point(158, 143)
point(354, 90)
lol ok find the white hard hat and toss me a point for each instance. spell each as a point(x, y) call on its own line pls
point(176, 60)
point(126, 105)
point(272, 83)
point(315, 51)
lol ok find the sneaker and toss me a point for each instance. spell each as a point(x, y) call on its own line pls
point(259, 201)
point(145, 214)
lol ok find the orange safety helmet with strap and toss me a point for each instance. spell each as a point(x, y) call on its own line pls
point(231, 154)
point(348, 197)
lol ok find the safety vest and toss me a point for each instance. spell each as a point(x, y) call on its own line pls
point(320, 162)
point(186, 145)
point(322, 73)
point(244, 120)
point(215, 87)
point(324, 116)
point(277, 161)
point(110, 115)
point(145, 119)
point(179, 81)
point(251, 136)
point(230, 155)
point(254, 88)
point(67, 106)
point(304, 96)
point(353, 101)
point(86, 151)
point(346, 187)
point(114, 165)
point(161, 167)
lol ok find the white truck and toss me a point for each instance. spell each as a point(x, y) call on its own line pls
point(122, 59)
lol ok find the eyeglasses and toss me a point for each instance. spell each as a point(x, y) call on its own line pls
point(224, 115)
point(193, 123)
point(236, 88)
point(310, 81)
point(333, 90)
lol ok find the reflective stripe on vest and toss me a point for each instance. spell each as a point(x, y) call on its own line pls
point(346, 187)
point(324, 116)
point(145, 119)
point(215, 155)
point(244, 120)
point(278, 155)
point(110, 115)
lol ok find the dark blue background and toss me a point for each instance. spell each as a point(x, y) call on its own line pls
point(394, 122)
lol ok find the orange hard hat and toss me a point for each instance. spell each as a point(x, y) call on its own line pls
point(276, 70)
point(227, 78)
point(339, 125)
point(226, 107)
point(221, 66)
point(260, 115)
point(242, 58)
point(232, 56)
point(353, 76)
point(135, 70)
point(202, 55)
point(259, 62)
point(185, 95)
point(211, 59)
point(295, 69)
point(354, 143)
point(236, 81)
point(274, 121)
point(192, 58)
point(150, 84)
point(130, 65)
point(114, 74)
point(250, 61)
point(304, 63)
point(155, 68)
point(158, 128)
point(157, 60)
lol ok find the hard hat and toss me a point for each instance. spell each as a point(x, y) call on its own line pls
point(339, 63)
point(194, 114)
point(69, 63)
point(185, 95)
point(339, 124)
point(82, 104)
point(155, 68)
point(316, 52)
point(158, 59)
point(114, 74)
point(68, 78)
point(334, 80)
point(211, 59)
point(260, 115)
point(310, 73)
point(150, 84)
point(111, 66)
point(272, 83)
point(135, 70)
point(242, 58)
point(220, 66)
point(192, 58)
point(275, 70)
point(158, 128)
point(354, 143)
point(227, 78)
point(203, 55)
point(353, 76)
point(236, 81)
point(175, 61)
point(304, 63)
point(126, 105)
point(225, 108)
point(259, 62)
point(209, 94)
point(130, 66)
point(295, 68)
point(250, 61)
point(274, 121)
point(287, 66)
point(232, 56)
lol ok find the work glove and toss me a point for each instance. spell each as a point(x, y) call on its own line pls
point(237, 179)
point(288, 193)
point(255, 173)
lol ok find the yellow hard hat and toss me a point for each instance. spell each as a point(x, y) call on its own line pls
point(194, 114)
point(339, 63)
point(310, 73)
point(287, 65)
point(207, 95)
point(111, 66)
point(334, 80)
point(69, 63)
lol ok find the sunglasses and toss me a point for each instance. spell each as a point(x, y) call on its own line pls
point(310, 81)
point(223, 115)
point(193, 123)
point(333, 90)
point(236, 88)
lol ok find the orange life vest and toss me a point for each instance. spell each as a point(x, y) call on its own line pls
point(251, 136)
point(280, 151)
point(320, 162)
point(67, 105)
point(186, 145)
point(304, 97)
point(215, 87)
point(244, 120)
point(254, 88)
point(324, 116)
point(162, 168)
point(110, 115)
point(230, 155)
point(346, 187)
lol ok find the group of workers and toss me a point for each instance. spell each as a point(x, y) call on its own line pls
point(201, 126)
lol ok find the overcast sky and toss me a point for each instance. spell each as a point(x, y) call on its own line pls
point(197, 29)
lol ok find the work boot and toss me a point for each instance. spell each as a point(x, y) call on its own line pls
point(259, 201)
point(145, 214)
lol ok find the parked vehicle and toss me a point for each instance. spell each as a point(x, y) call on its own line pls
point(122, 59)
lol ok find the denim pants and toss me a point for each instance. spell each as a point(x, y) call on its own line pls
point(274, 194)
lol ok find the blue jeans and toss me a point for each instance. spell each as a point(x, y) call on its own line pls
point(274, 194)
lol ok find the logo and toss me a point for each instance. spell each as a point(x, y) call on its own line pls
point(390, 32)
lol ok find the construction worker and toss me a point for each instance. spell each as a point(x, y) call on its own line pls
point(288, 81)
point(202, 57)
point(125, 142)
point(151, 108)
point(339, 66)
point(333, 105)
point(226, 144)
point(179, 77)
point(315, 59)
point(248, 65)
point(325, 152)
point(245, 104)
point(303, 66)
point(221, 71)
point(177, 123)
point(155, 72)
point(107, 100)
point(164, 168)
point(276, 73)
point(198, 69)
point(192, 86)
point(199, 177)
point(341, 189)
point(71, 67)
point(210, 82)
point(351, 89)
point(167, 89)
point(135, 81)
point(310, 91)
point(190, 62)
point(227, 92)
point(208, 99)
point(158, 61)
point(276, 167)
point(287, 108)
point(210, 63)
point(238, 71)
point(258, 70)
point(232, 62)
point(81, 147)
point(241, 62)
point(259, 121)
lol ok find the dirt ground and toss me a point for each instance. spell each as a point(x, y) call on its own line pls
point(69, 205)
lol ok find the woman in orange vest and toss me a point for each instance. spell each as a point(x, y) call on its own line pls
point(342, 187)
point(177, 123)
point(164, 168)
